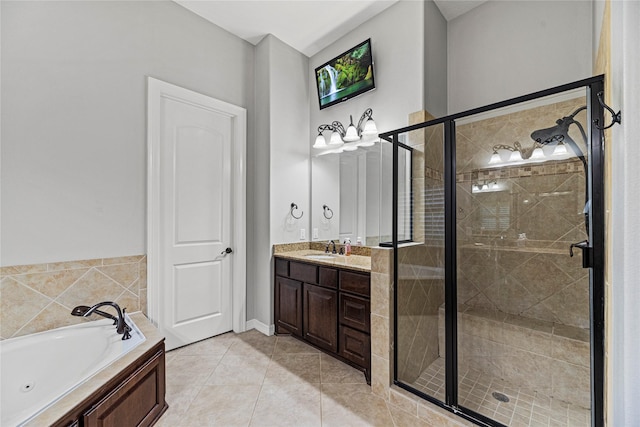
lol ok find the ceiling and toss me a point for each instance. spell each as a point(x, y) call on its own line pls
point(307, 25)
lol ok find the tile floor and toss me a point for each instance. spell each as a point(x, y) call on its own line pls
point(526, 408)
point(250, 379)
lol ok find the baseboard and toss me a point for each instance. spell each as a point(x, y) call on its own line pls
point(260, 327)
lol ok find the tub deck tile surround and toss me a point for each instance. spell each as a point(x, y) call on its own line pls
point(68, 402)
point(39, 297)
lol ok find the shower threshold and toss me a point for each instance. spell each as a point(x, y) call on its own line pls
point(525, 408)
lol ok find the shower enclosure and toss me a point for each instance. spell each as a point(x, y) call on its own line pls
point(499, 292)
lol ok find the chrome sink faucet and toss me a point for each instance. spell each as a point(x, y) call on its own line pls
point(121, 325)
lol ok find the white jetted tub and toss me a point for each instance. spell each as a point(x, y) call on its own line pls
point(37, 370)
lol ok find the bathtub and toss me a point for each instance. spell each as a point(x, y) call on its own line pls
point(37, 370)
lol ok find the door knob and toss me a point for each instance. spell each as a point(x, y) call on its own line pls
point(226, 251)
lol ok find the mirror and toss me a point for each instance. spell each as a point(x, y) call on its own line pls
point(351, 194)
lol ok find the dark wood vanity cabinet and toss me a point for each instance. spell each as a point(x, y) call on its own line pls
point(327, 307)
point(320, 321)
point(288, 305)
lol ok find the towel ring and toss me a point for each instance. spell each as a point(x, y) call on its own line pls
point(326, 208)
point(293, 207)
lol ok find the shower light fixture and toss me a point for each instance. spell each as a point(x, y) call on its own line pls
point(365, 134)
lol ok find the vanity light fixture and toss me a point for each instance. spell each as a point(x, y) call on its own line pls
point(487, 186)
point(519, 155)
point(363, 135)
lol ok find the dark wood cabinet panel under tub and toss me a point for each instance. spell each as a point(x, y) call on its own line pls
point(135, 397)
point(327, 307)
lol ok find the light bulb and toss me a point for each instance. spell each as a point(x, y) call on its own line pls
point(370, 128)
point(485, 187)
point(335, 138)
point(537, 154)
point(515, 156)
point(560, 150)
point(352, 133)
point(320, 142)
point(495, 158)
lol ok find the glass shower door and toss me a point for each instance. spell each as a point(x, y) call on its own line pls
point(420, 290)
point(499, 291)
point(523, 300)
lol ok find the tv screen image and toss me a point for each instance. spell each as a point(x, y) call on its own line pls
point(346, 75)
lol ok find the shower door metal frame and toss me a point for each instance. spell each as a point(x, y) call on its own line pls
point(595, 112)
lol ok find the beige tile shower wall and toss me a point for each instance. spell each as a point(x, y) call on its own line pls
point(533, 277)
point(381, 315)
point(420, 294)
point(39, 297)
point(544, 285)
point(536, 277)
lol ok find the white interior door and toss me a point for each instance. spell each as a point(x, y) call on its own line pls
point(193, 155)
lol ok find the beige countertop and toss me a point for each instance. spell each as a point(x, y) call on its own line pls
point(68, 402)
point(352, 262)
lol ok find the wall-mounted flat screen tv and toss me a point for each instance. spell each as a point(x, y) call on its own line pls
point(345, 76)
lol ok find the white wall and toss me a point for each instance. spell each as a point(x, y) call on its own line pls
point(598, 14)
point(504, 49)
point(625, 214)
point(74, 117)
point(258, 191)
point(290, 148)
point(282, 166)
point(398, 50)
point(435, 60)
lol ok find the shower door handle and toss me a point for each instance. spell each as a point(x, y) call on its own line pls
point(587, 253)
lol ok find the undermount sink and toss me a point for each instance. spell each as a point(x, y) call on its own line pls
point(315, 256)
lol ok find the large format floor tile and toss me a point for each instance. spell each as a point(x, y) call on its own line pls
point(250, 379)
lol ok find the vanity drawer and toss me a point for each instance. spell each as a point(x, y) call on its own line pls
point(355, 346)
point(303, 272)
point(328, 277)
point(354, 312)
point(282, 267)
point(355, 282)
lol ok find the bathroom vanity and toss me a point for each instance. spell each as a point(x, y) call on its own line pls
point(325, 301)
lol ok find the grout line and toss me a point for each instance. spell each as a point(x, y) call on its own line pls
point(32, 319)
